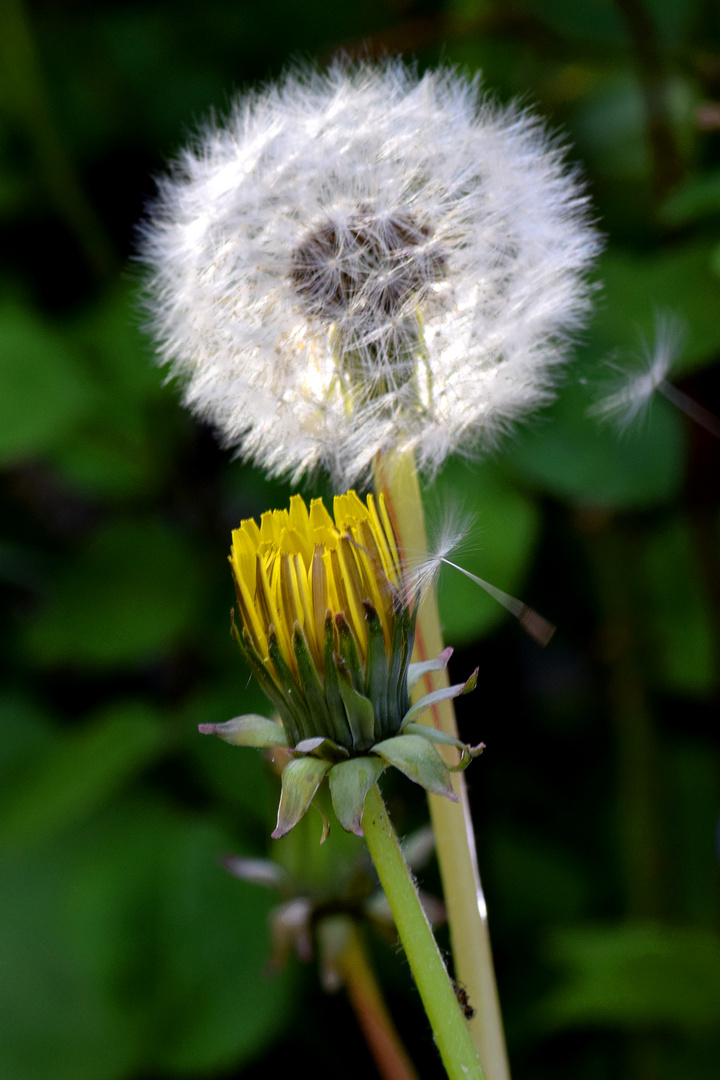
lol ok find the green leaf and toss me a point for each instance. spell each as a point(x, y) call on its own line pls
point(574, 457)
point(125, 598)
point(87, 1032)
point(300, 780)
point(539, 881)
point(44, 392)
point(110, 330)
point(592, 21)
point(350, 782)
point(635, 976)
point(213, 1006)
point(635, 288)
point(137, 949)
point(414, 756)
point(28, 733)
point(695, 200)
point(82, 771)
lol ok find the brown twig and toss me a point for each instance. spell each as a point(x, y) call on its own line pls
point(372, 1014)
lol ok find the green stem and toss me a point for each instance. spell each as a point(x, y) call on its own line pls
point(23, 90)
point(396, 476)
point(451, 1035)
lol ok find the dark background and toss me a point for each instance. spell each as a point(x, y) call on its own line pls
point(126, 951)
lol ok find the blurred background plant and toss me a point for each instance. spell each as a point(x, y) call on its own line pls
point(127, 949)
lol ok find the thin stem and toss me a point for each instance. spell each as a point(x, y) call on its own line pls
point(24, 91)
point(438, 997)
point(372, 1013)
point(615, 563)
point(396, 476)
point(667, 164)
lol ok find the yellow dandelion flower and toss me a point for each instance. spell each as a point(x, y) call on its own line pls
point(326, 623)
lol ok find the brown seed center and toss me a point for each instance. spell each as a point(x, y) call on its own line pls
point(367, 265)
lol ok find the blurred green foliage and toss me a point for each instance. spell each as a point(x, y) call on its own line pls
point(126, 951)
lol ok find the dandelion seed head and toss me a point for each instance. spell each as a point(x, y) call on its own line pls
point(366, 259)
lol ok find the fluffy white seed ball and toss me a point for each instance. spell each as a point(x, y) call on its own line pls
point(366, 259)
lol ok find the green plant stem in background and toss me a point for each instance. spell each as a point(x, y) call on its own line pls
point(396, 476)
point(615, 563)
point(614, 560)
point(438, 996)
point(23, 92)
point(372, 1013)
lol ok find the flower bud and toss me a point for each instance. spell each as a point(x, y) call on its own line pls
point(326, 623)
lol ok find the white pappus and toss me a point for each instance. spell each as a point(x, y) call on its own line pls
point(630, 395)
point(367, 259)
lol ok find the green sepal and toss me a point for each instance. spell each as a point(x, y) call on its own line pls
point(395, 667)
point(325, 823)
point(420, 761)
point(469, 753)
point(291, 722)
point(350, 782)
point(427, 731)
point(343, 735)
point(416, 671)
point(361, 717)
point(376, 679)
point(442, 738)
point(300, 780)
point(443, 694)
point(294, 700)
point(406, 617)
point(351, 666)
point(322, 748)
point(250, 730)
point(312, 688)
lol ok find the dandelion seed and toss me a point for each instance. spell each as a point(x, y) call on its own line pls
point(532, 622)
point(364, 260)
point(692, 409)
point(450, 537)
point(633, 390)
point(422, 573)
point(632, 396)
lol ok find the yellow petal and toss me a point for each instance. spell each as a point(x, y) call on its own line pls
point(271, 615)
point(319, 592)
point(322, 526)
point(299, 517)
